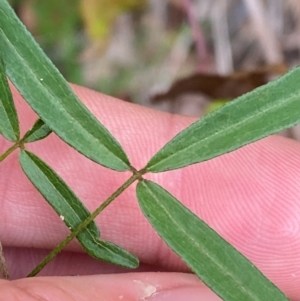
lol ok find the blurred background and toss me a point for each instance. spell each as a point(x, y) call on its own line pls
point(180, 56)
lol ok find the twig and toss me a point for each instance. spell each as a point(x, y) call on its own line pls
point(3, 267)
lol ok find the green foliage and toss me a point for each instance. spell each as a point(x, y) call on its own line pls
point(203, 249)
point(36, 78)
point(55, 27)
point(108, 251)
point(72, 211)
point(251, 117)
point(9, 124)
point(56, 192)
point(55, 19)
point(39, 131)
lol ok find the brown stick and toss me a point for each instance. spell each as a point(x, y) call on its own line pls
point(3, 267)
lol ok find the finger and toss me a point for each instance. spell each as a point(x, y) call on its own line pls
point(19, 262)
point(249, 196)
point(134, 286)
point(93, 187)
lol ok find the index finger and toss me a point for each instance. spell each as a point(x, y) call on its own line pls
point(249, 196)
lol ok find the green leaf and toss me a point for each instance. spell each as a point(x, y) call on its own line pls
point(107, 251)
point(9, 124)
point(72, 211)
point(47, 92)
point(39, 131)
point(226, 271)
point(262, 112)
point(59, 196)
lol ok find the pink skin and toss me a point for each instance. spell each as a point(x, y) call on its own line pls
point(250, 196)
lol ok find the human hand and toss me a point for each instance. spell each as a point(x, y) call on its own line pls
point(250, 196)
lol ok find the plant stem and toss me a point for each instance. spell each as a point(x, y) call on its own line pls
point(19, 143)
point(3, 268)
point(83, 225)
point(9, 151)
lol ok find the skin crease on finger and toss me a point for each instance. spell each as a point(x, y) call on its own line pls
point(250, 196)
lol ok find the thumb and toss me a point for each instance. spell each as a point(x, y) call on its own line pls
point(125, 287)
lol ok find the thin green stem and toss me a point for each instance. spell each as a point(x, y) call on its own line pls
point(9, 151)
point(83, 225)
point(19, 143)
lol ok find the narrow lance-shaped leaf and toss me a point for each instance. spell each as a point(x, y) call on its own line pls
point(39, 131)
point(262, 112)
point(59, 196)
point(107, 251)
point(71, 210)
point(226, 271)
point(47, 92)
point(9, 124)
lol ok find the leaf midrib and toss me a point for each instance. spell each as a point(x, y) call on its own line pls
point(61, 195)
point(179, 228)
point(237, 124)
point(50, 96)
